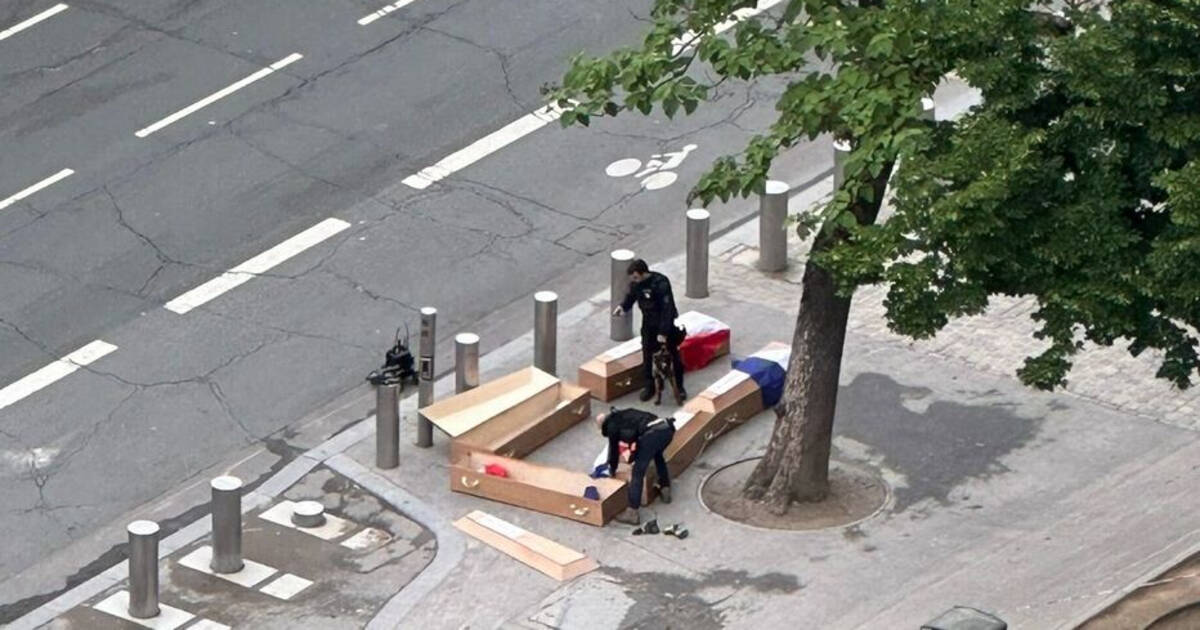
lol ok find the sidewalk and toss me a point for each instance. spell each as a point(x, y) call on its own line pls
point(1035, 506)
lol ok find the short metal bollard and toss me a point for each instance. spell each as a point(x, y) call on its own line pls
point(621, 328)
point(466, 362)
point(964, 618)
point(226, 524)
point(772, 227)
point(425, 387)
point(928, 110)
point(697, 253)
point(387, 425)
point(143, 569)
point(545, 331)
point(841, 151)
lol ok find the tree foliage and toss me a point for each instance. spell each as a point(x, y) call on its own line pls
point(1075, 181)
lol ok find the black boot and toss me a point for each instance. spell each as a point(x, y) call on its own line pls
point(647, 393)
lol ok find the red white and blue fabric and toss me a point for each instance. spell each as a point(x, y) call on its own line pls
point(600, 466)
point(705, 336)
point(768, 368)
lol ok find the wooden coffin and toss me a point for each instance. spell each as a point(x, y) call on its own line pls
point(522, 430)
point(614, 373)
point(732, 400)
point(543, 554)
point(541, 488)
point(523, 393)
point(693, 432)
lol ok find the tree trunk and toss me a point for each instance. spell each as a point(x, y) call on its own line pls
point(796, 464)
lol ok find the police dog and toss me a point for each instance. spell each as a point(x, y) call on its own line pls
point(664, 370)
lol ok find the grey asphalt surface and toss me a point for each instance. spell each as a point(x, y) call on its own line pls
point(142, 220)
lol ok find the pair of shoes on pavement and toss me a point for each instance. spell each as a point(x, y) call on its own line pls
point(651, 527)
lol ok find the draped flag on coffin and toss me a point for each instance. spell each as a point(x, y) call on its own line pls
point(768, 368)
point(705, 338)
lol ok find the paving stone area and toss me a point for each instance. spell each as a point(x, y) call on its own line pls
point(334, 577)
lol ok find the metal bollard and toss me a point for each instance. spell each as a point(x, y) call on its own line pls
point(143, 569)
point(466, 362)
point(772, 229)
point(841, 151)
point(387, 425)
point(545, 331)
point(621, 328)
point(697, 253)
point(425, 389)
point(226, 524)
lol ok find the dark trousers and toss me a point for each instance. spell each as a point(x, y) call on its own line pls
point(650, 346)
point(650, 446)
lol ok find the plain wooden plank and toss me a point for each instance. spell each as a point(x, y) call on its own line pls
point(521, 549)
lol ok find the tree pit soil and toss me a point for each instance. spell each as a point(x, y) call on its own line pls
point(855, 493)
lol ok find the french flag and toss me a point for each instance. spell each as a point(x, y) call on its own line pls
point(705, 338)
point(768, 368)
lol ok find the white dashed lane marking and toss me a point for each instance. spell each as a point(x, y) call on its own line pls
point(220, 94)
point(483, 147)
point(384, 11)
point(45, 183)
point(255, 266)
point(20, 26)
point(51, 373)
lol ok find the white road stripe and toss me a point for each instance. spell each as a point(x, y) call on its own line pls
point(216, 96)
point(687, 41)
point(384, 11)
point(55, 371)
point(255, 266)
point(57, 177)
point(48, 13)
point(484, 147)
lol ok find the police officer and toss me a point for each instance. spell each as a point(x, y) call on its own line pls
point(652, 292)
point(650, 436)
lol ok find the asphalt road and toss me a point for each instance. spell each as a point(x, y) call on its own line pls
point(145, 217)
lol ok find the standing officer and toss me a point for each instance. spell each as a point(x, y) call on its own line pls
point(652, 292)
point(649, 436)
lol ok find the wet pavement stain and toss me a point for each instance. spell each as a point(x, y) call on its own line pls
point(667, 601)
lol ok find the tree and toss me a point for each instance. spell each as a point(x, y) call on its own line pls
point(1050, 188)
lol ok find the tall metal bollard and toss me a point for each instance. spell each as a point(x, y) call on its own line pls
point(387, 425)
point(143, 569)
point(841, 151)
point(466, 362)
point(621, 328)
point(425, 389)
point(226, 524)
point(772, 229)
point(697, 253)
point(545, 331)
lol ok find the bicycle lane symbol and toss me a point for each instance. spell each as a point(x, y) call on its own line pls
point(658, 172)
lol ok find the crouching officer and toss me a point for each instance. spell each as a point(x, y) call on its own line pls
point(652, 292)
point(650, 436)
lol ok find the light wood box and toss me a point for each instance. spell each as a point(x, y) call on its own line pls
point(507, 399)
point(540, 488)
point(522, 430)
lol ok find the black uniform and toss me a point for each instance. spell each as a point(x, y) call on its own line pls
point(651, 434)
point(653, 295)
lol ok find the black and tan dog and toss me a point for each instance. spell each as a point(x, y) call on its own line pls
point(664, 371)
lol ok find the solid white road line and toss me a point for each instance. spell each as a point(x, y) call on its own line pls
point(216, 96)
point(55, 371)
point(57, 177)
point(384, 11)
point(484, 147)
point(687, 41)
point(48, 13)
point(255, 266)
